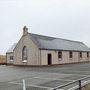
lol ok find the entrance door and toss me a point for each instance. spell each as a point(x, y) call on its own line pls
point(49, 59)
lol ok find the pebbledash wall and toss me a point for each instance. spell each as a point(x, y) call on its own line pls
point(65, 57)
point(33, 57)
point(40, 57)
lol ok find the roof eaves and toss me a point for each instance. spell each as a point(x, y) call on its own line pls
point(65, 50)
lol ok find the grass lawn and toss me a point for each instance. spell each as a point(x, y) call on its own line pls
point(87, 87)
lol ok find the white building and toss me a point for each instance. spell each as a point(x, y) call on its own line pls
point(36, 50)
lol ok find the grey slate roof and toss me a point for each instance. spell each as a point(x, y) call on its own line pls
point(12, 48)
point(51, 43)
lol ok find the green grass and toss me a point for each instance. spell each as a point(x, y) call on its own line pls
point(87, 87)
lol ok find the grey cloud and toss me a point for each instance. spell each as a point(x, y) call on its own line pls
point(68, 19)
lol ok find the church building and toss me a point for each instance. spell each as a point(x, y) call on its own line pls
point(39, 50)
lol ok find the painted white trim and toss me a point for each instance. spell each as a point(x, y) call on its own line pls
point(24, 61)
point(11, 60)
point(59, 59)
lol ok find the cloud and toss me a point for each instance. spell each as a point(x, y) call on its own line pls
point(68, 19)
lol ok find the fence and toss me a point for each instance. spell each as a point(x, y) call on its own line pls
point(74, 85)
point(25, 85)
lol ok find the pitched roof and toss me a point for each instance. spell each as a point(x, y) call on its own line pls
point(52, 43)
point(12, 48)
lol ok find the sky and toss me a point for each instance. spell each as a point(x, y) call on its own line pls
point(67, 19)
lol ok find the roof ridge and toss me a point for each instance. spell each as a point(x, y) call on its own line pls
point(43, 35)
point(56, 38)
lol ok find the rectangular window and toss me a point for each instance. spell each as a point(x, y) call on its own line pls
point(59, 55)
point(70, 55)
point(87, 54)
point(80, 54)
point(11, 58)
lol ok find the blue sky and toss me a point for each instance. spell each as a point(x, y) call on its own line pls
point(68, 19)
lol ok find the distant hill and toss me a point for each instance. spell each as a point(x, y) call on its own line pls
point(2, 59)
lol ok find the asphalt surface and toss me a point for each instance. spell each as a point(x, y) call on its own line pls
point(41, 78)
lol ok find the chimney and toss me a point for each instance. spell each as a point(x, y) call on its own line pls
point(25, 30)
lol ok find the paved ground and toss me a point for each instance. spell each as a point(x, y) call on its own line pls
point(41, 78)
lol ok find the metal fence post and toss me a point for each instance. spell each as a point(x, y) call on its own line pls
point(24, 86)
point(80, 87)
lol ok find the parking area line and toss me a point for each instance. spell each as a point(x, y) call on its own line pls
point(31, 85)
point(42, 78)
point(53, 79)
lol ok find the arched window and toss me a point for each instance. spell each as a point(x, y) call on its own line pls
point(24, 54)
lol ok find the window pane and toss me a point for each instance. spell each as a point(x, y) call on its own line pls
point(24, 53)
point(11, 57)
point(70, 55)
point(80, 54)
point(59, 54)
point(88, 54)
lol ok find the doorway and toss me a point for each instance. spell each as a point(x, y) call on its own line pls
point(49, 59)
